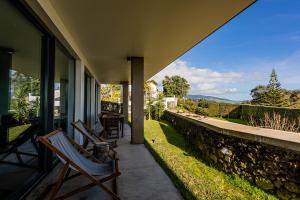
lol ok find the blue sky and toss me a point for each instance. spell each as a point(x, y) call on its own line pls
point(241, 54)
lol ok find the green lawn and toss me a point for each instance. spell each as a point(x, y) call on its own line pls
point(238, 121)
point(14, 132)
point(193, 178)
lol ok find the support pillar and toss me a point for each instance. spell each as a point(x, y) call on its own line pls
point(5, 66)
point(125, 100)
point(137, 100)
point(93, 103)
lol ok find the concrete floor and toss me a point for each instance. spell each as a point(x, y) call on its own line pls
point(15, 178)
point(141, 179)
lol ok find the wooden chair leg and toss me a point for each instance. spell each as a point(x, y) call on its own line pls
point(60, 181)
point(19, 156)
point(90, 185)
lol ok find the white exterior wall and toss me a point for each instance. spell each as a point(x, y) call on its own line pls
point(93, 108)
point(170, 100)
point(79, 97)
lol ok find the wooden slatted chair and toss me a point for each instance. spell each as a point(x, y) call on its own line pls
point(76, 158)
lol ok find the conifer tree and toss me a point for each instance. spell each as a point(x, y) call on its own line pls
point(270, 95)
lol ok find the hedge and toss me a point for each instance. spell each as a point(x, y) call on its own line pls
point(237, 111)
point(258, 112)
point(210, 108)
point(223, 110)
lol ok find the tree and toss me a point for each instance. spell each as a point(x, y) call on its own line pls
point(111, 92)
point(270, 95)
point(148, 99)
point(259, 95)
point(159, 107)
point(27, 83)
point(175, 86)
point(20, 105)
point(21, 86)
point(273, 82)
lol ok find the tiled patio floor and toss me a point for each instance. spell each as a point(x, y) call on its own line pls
point(141, 178)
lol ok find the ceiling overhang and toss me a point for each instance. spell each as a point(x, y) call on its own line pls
point(107, 32)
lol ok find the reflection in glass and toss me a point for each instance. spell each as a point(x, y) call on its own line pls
point(64, 91)
point(20, 69)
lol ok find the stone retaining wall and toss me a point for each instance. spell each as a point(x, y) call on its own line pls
point(273, 169)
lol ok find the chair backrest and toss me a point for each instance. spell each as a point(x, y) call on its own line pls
point(99, 129)
point(64, 148)
point(84, 130)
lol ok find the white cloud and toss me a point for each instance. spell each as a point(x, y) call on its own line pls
point(202, 80)
point(287, 69)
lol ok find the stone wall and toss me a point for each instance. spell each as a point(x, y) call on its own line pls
point(273, 169)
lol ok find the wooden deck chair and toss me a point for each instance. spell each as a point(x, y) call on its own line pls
point(76, 158)
point(12, 147)
point(92, 135)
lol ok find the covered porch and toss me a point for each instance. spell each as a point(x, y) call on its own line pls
point(83, 44)
point(141, 178)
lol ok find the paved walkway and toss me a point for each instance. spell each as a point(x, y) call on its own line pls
point(142, 178)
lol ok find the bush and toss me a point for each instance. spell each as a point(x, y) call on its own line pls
point(158, 108)
point(258, 112)
point(213, 109)
point(276, 121)
point(201, 111)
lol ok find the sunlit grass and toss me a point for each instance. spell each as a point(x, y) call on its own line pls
point(193, 178)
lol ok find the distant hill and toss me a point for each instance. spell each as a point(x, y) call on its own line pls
point(211, 98)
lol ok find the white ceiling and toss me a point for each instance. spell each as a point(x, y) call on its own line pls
point(107, 31)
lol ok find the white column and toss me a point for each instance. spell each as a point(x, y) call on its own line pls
point(93, 108)
point(79, 97)
point(137, 103)
point(99, 97)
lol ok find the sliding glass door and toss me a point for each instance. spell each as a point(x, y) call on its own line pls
point(20, 89)
point(64, 90)
point(87, 99)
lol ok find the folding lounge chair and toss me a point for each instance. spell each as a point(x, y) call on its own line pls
point(91, 136)
point(74, 157)
point(12, 147)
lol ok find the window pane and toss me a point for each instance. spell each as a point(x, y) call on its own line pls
point(64, 91)
point(20, 69)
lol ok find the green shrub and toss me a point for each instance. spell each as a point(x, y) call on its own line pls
point(213, 109)
point(201, 111)
point(258, 112)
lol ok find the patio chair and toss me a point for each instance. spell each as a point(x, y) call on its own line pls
point(10, 142)
point(93, 136)
point(76, 158)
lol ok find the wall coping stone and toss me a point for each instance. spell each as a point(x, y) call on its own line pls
point(283, 139)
